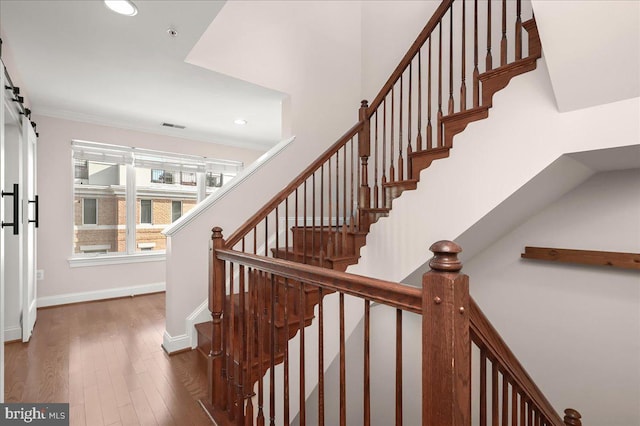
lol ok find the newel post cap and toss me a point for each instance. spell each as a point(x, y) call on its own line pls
point(572, 417)
point(445, 256)
point(364, 103)
point(216, 232)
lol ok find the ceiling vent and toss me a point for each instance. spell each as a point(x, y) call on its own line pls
point(175, 126)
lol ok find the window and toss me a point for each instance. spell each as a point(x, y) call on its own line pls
point(176, 210)
point(214, 180)
point(187, 178)
point(124, 197)
point(81, 170)
point(161, 176)
point(89, 211)
point(145, 211)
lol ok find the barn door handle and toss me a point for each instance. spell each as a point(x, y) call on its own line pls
point(37, 204)
point(16, 205)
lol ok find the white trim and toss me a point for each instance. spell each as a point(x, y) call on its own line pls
point(172, 344)
point(12, 334)
point(95, 247)
point(110, 293)
point(200, 314)
point(211, 200)
point(146, 245)
point(117, 259)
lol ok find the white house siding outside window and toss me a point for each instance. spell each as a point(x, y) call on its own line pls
point(117, 188)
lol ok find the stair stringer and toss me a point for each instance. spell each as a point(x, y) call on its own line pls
point(455, 194)
point(491, 160)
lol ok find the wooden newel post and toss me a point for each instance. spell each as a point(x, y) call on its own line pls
point(572, 417)
point(446, 345)
point(217, 386)
point(364, 151)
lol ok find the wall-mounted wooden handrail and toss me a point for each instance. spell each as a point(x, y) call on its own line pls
point(585, 257)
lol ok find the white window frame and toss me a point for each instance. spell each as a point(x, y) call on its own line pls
point(127, 157)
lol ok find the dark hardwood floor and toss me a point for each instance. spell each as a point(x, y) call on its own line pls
point(105, 359)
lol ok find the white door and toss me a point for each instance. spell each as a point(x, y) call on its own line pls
point(2, 232)
point(30, 223)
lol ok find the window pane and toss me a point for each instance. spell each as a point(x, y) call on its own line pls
point(176, 210)
point(162, 200)
point(90, 216)
point(145, 211)
point(99, 207)
point(81, 170)
point(165, 189)
point(187, 178)
point(216, 180)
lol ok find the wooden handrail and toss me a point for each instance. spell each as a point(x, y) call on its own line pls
point(585, 257)
point(380, 291)
point(486, 336)
point(282, 195)
point(411, 53)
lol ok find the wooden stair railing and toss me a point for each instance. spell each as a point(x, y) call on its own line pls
point(451, 324)
point(323, 216)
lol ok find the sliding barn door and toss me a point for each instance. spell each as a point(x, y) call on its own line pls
point(30, 208)
point(3, 94)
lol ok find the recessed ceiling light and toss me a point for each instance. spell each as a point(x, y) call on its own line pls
point(240, 121)
point(123, 7)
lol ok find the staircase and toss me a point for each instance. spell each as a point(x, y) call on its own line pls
point(323, 217)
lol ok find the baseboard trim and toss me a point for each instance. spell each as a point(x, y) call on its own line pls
point(175, 344)
point(12, 334)
point(111, 293)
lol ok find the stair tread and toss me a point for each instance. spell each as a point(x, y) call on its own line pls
point(401, 182)
point(204, 327)
point(318, 228)
point(291, 251)
point(508, 67)
point(376, 209)
point(429, 151)
point(465, 113)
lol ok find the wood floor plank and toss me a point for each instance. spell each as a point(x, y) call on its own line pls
point(107, 397)
point(143, 410)
point(76, 415)
point(105, 359)
point(128, 415)
point(92, 406)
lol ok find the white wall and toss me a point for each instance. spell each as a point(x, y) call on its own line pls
point(575, 328)
point(581, 66)
point(388, 29)
point(310, 50)
point(55, 184)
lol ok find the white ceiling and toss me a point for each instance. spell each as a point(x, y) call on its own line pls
point(79, 60)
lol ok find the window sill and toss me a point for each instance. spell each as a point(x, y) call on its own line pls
point(116, 259)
